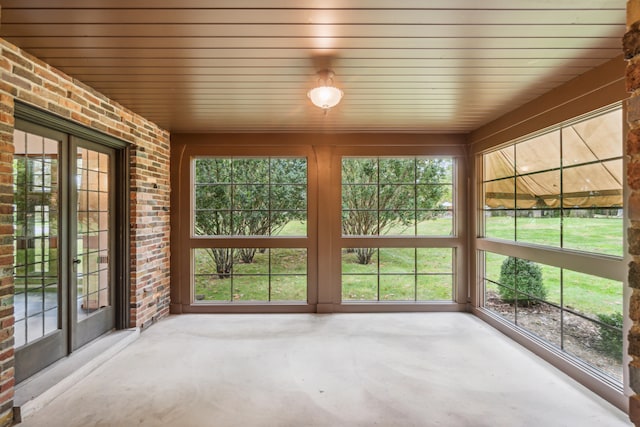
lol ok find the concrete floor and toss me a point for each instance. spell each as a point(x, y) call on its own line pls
point(435, 369)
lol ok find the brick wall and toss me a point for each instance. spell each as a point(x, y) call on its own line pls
point(631, 47)
point(6, 259)
point(34, 82)
point(150, 270)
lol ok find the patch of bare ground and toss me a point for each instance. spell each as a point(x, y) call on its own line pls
point(581, 337)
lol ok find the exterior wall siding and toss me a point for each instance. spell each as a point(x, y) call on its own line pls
point(34, 82)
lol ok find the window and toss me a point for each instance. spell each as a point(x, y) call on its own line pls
point(287, 223)
point(408, 197)
point(397, 274)
point(249, 198)
point(254, 274)
point(397, 196)
point(560, 189)
point(553, 210)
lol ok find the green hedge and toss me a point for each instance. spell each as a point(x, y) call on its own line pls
point(521, 281)
point(611, 335)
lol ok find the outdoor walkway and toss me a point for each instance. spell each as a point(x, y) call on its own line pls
point(435, 369)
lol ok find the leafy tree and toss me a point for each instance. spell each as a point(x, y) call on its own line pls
point(247, 197)
point(378, 194)
point(30, 190)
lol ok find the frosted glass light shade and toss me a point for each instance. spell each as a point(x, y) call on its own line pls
point(325, 97)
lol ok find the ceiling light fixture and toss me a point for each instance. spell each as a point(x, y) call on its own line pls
point(325, 95)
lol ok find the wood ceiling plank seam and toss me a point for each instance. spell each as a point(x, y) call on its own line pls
point(259, 30)
point(303, 4)
point(162, 42)
point(76, 71)
point(363, 54)
point(312, 17)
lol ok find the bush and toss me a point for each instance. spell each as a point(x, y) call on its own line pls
point(524, 276)
point(611, 335)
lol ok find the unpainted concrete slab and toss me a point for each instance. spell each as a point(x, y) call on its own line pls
point(410, 369)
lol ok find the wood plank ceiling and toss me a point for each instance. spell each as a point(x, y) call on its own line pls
point(246, 65)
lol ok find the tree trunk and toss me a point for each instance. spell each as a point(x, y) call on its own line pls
point(224, 262)
point(247, 254)
point(364, 255)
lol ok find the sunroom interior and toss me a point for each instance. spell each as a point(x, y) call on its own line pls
point(166, 160)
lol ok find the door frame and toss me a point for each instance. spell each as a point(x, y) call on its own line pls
point(27, 116)
point(94, 325)
point(55, 345)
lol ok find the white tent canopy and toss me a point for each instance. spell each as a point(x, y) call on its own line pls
point(582, 162)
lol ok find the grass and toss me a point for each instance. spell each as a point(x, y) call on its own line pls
point(590, 295)
point(274, 275)
point(398, 281)
point(284, 278)
point(587, 294)
point(28, 278)
point(599, 235)
point(437, 227)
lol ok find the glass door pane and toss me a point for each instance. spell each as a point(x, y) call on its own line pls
point(35, 173)
point(39, 305)
point(91, 255)
point(92, 248)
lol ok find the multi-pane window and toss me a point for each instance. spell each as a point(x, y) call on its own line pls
point(406, 197)
point(578, 313)
point(252, 274)
point(36, 198)
point(397, 274)
point(561, 189)
point(397, 196)
point(253, 198)
point(558, 198)
point(250, 196)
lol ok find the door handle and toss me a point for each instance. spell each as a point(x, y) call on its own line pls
point(77, 261)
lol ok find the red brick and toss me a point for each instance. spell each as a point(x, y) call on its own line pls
point(47, 75)
point(7, 354)
point(39, 84)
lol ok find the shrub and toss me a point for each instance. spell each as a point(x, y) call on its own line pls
point(611, 335)
point(524, 276)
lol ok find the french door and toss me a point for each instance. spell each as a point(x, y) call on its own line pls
point(64, 221)
point(91, 241)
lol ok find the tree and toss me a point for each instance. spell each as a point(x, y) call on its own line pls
point(246, 197)
point(378, 194)
point(34, 192)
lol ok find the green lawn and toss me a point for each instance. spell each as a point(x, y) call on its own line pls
point(251, 281)
point(434, 281)
point(587, 294)
point(599, 235)
point(437, 227)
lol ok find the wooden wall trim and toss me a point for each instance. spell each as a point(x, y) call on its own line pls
point(593, 90)
point(307, 139)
